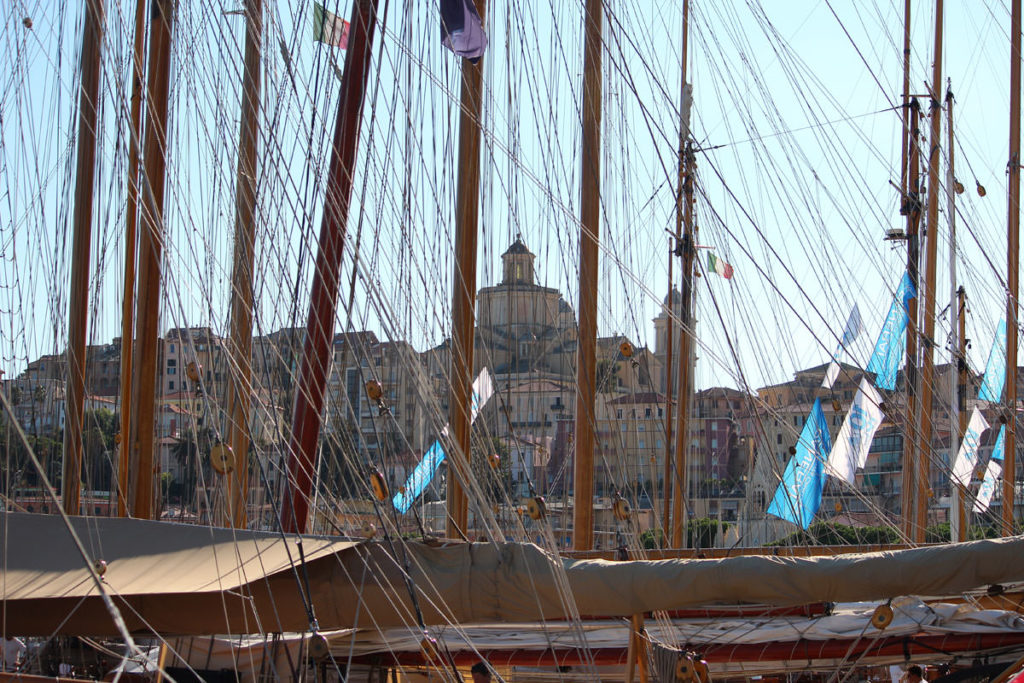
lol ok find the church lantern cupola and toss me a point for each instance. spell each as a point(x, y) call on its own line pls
point(517, 264)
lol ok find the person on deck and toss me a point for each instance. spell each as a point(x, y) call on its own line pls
point(13, 653)
point(480, 673)
point(915, 674)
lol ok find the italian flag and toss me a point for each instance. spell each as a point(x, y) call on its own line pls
point(329, 28)
point(717, 265)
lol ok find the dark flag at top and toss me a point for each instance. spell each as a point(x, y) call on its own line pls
point(462, 31)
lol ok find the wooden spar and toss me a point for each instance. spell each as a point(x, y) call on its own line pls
point(467, 218)
point(669, 445)
point(590, 221)
point(924, 448)
point(78, 299)
point(961, 396)
point(910, 206)
point(684, 133)
point(685, 379)
point(905, 156)
point(1013, 247)
point(913, 202)
point(151, 244)
point(309, 394)
point(240, 348)
point(130, 238)
point(956, 518)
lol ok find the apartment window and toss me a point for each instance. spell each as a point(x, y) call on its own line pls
point(618, 413)
point(622, 426)
point(714, 443)
point(172, 348)
point(796, 421)
point(647, 412)
point(778, 439)
point(170, 385)
point(641, 444)
point(661, 412)
point(659, 444)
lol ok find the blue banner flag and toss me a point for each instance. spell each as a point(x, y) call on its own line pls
point(999, 447)
point(799, 494)
point(462, 31)
point(995, 368)
point(420, 478)
point(885, 361)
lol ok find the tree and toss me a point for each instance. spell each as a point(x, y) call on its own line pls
point(97, 445)
point(191, 450)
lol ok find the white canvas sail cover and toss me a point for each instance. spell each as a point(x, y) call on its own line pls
point(168, 578)
point(853, 442)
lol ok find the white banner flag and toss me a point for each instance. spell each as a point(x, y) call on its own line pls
point(854, 439)
point(988, 487)
point(850, 333)
point(967, 457)
point(483, 388)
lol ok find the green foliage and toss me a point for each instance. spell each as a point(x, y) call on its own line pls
point(940, 533)
point(831, 533)
point(651, 539)
point(702, 532)
point(191, 450)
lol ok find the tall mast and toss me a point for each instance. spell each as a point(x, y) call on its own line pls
point(685, 383)
point(669, 444)
point(240, 389)
point(130, 237)
point(140, 438)
point(1013, 245)
point(467, 217)
point(928, 336)
point(961, 402)
point(956, 411)
point(78, 300)
point(906, 105)
point(323, 303)
point(590, 217)
point(911, 208)
point(685, 242)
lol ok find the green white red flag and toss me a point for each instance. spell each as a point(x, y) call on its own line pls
point(717, 265)
point(329, 28)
